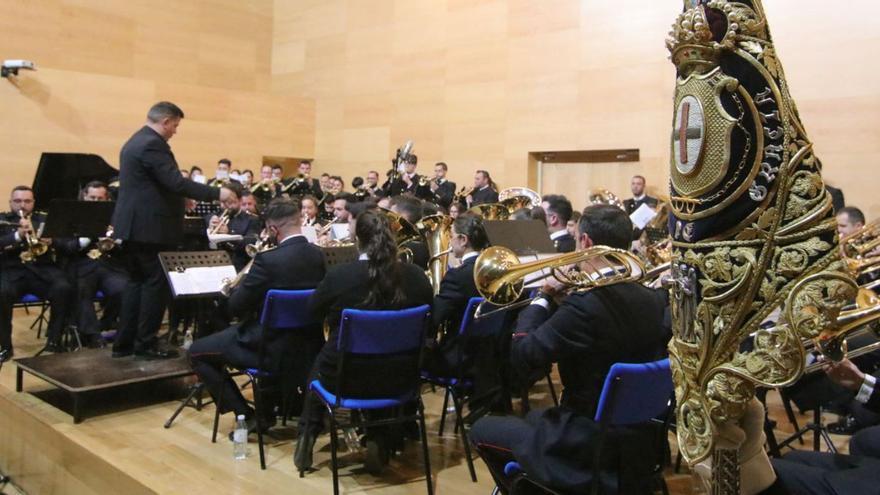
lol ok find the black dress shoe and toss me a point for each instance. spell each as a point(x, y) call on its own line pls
point(846, 426)
point(54, 347)
point(5, 355)
point(302, 457)
point(378, 454)
point(154, 354)
point(121, 354)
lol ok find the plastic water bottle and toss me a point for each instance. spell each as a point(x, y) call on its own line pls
point(239, 438)
point(187, 339)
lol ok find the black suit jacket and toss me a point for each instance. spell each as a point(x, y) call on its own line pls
point(420, 253)
point(632, 205)
point(151, 191)
point(444, 194)
point(564, 243)
point(456, 288)
point(483, 196)
point(295, 264)
point(243, 224)
point(11, 265)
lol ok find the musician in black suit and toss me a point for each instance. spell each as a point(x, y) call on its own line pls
point(95, 268)
point(442, 190)
point(407, 181)
point(585, 333)
point(378, 280)
point(293, 264)
point(371, 184)
point(221, 176)
point(40, 276)
point(640, 197)
point(410, 209)
point(239, 222)
point(820, 473)
point(485, 190)
point(148, 219)
point(558, 211)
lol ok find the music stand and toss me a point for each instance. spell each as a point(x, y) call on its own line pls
point(339, 254)
point(72, 218)
point(179, 263)
point(522, 236)
point(195, 234)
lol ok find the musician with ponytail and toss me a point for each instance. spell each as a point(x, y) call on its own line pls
point(377, 281)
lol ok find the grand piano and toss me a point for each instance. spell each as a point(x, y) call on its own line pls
point(63, 175)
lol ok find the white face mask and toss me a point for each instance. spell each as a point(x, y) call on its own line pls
point(222, 174)
point(199, 178)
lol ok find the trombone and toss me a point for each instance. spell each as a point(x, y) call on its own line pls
point(500, 277)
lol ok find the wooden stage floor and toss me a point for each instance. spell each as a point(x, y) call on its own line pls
point(127, 450)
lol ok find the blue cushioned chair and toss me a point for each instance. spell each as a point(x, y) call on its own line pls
point(371, 335)
point(283, 310)
point(458, 387)
point(633, 393)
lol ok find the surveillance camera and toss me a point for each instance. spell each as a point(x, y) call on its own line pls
point(11, 67)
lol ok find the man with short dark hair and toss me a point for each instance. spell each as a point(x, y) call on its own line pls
point(340, 213)
point(640, 197)
point(442, 189)
point(221, 176)
point(371, 184)
point(38, 275)
point(148, 219)
point(557, 209)
point(310, 186)
point(249, 202)
point(95, 265)
point(585, 332)
point(277, 172)
point(294, 265)
point(484, 190)
point(239, 222)
point(849, 220)
point(407, 181)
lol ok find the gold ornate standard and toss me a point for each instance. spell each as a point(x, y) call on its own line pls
point(752, 223)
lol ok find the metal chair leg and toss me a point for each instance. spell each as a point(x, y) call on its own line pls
point(456, 401)
point(334, 445)
point(258, 410)
point(217, 416)
point(443, 413)
point(552, 389)
point(424, 437)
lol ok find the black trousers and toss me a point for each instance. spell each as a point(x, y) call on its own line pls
point(112, 283)
point(820, 473)
point(493, 437)
point(45, 281)
point(144, 298)
point(209, 356)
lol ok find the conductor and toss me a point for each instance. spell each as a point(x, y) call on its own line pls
point(148, 219)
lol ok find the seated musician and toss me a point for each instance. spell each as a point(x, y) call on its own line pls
point(442, 189)
point(222, 176)
point(293, 264)
point(239, 222)
point(585, 333)
point(95, 268)
point(406, 181)
point(39, 275)
point(377, 281)
point(820, 473)
point(558, 210)
point(410, 208)
point(310, 211)
point(485, 190)
point(249, 202)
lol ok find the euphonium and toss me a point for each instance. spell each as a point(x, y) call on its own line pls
point(437, 231)
point(223, 221)
point(491, 211)
point(34, 246)
point(500, 277)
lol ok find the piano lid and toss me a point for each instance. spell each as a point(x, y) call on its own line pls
point(63, 175)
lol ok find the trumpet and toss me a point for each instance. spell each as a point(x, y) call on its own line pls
point(323, 230)
point(222, 222)
point(34, 246)
point(231, 283)
point(253, 249)
point(460, 196)
point(266, 185)
point(500, 276)
point(103, 244)
point(297, 182)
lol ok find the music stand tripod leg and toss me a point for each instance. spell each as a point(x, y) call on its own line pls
point(194, 389)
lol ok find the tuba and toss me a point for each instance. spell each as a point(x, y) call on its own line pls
point(500, 277)
point(437, 231)
point(519, 197)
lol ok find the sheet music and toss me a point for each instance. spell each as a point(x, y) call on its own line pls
point(340, 231)
point(642, 216)
point(311, 233)
point(200, 280)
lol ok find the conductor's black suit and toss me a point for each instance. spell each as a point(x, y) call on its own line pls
point(148, 219)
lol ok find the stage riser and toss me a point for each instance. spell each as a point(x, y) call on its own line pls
point(42, 460)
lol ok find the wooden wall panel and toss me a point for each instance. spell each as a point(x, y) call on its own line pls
point(482, 83)
point(102, 64)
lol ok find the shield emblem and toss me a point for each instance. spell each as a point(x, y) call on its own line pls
point(688, 134)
